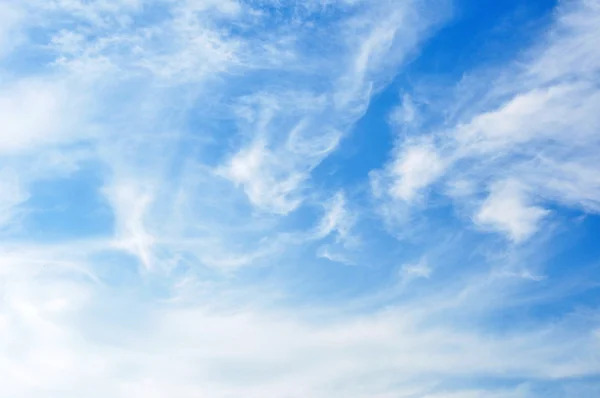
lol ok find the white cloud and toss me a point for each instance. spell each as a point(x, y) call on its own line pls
point(10, 19)
point(570, 50)
point(273, 168)
point(226, 7)
point(366, 48)
point(335, 254)
point(177, 46)
point(130, 202)
point(337, 219)
point(12, 194)
point(535, 122)
point(337, 224)
point(76, 338)
point(534, 116)
point(414, 271)
point(507, 209)
point(36, 113)
point(38, 116)
point(269, 182)
point(417, 166)
point(380, 40)
point(406, 114)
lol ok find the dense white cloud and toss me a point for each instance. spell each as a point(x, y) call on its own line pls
point(273, 179)
point(416, 167)
point(507, 210)
point(37, 112)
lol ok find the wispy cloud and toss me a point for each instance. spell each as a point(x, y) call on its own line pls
point(13, 194)
point(418, 270)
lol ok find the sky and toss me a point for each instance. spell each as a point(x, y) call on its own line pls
point(299, 198)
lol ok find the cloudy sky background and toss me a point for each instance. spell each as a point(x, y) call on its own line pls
point(319, 198)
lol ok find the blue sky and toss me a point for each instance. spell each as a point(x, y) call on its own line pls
point(285, 199)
